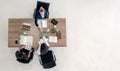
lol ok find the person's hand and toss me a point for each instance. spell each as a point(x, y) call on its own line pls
point(29, 53)
point(40, 30)
point(28, 56)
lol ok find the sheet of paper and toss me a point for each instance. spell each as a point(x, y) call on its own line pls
point(44, 23)
point(39, 22)
point(53, 39)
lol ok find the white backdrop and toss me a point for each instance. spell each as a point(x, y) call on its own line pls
point(93, 35)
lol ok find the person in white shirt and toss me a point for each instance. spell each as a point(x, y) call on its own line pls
point(26, 42)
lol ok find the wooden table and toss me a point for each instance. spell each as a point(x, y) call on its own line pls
point(15, 28)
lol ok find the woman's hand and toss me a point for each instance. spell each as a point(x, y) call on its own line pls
point(40, 30)
point(29, 53)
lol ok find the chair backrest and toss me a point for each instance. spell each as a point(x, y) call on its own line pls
point(21, 55)
point(45, 5)
point(48, 60)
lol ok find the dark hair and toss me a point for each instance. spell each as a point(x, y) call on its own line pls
point(44, 48)
point(43, 45)
point(21, 55)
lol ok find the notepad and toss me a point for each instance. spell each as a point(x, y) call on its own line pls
point(53, 39)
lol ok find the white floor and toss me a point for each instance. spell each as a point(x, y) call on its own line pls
point(93, 35)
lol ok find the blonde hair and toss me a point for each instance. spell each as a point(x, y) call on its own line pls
point(41, 9)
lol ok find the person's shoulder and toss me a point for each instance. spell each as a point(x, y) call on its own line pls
point(37, 12)
point(46, 11)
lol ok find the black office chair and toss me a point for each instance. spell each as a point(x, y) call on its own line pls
point(45, 5)
point(47, 60)
point(22, 56)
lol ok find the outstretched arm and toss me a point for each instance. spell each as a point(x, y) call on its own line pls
point(29, 53)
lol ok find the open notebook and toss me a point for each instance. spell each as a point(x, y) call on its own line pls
point(42, 23)
point(26, 40)
point(53, 39)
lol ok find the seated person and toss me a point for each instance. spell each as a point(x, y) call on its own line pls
point(41, 14)
point(43, 46)
point(26, 42)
